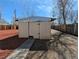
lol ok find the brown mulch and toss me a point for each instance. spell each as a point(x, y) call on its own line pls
point(8, 45)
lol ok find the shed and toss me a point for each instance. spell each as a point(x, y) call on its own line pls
point(36, 27)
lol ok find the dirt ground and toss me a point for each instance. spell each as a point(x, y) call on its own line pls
point(61, 46)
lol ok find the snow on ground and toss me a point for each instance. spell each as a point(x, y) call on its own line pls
point(61, 46)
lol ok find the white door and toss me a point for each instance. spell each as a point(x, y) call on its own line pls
point(45, 30)
point(34, 29)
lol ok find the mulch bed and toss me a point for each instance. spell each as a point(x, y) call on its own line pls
point(39, 45)
point(8, 45)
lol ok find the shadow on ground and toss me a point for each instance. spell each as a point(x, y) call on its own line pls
point(61, 46)
point(39, 45)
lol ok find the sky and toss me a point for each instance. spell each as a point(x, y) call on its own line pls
point(26, 8)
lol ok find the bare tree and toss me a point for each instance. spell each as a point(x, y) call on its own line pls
point(14, 15)
point(0, 15)
point(75, 24)
point(64, 7)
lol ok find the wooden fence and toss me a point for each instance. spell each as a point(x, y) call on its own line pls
point(70, 28)
point(8, 27)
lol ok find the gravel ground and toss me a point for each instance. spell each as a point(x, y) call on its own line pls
point(61, 46)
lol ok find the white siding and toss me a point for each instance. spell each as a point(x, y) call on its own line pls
point(39, 30)
point(23, 29)
point(45, 30)
point(34, 29)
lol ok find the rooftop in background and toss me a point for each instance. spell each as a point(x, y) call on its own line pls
point(3, 22)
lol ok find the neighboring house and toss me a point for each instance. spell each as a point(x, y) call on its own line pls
point(3, 24)
point(15, 22)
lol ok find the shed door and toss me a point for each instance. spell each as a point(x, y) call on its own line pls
point(45, 30)
point(34, 29)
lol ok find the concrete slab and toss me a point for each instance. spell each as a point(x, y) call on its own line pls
point(22, 51)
